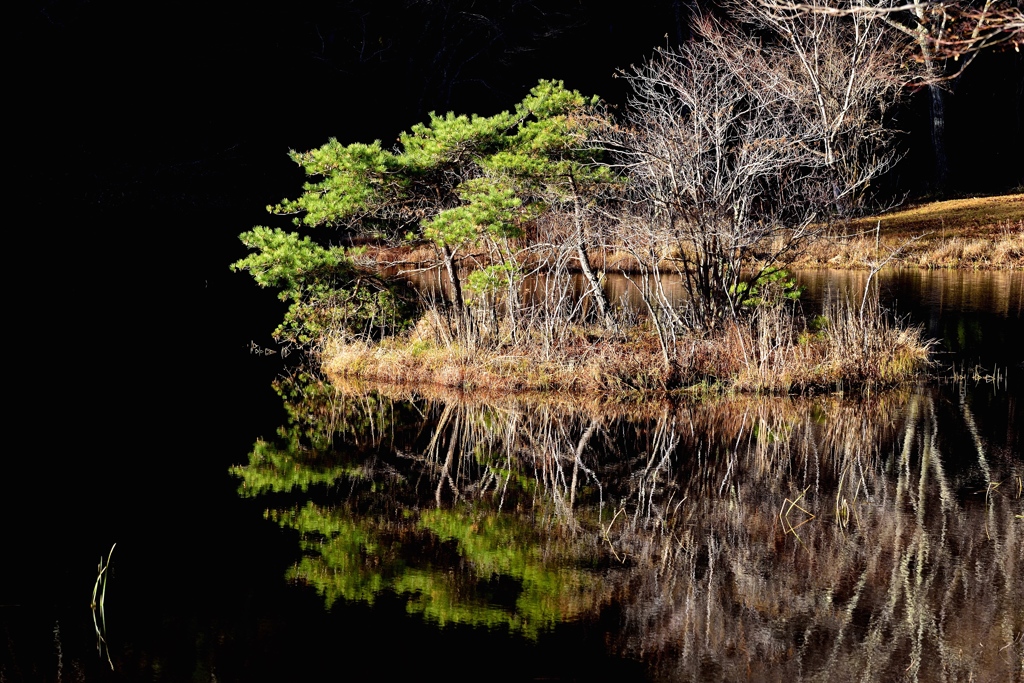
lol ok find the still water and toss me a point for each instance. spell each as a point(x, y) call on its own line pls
point(394, 533)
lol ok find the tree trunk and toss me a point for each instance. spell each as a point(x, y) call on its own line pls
point(937, 119)
point(453, 277)
point(596, 290)
point(936, 101)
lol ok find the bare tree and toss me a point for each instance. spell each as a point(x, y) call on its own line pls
point(844, 72)
point(946, 30)
point(738, 148)
point(945, 37)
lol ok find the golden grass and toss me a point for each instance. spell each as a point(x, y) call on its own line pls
point(975, 233)
point(966, 217)
point(769, 352)
point(586, 363)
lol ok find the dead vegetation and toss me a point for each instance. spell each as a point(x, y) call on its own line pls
point(976, 233)
point(772, 351)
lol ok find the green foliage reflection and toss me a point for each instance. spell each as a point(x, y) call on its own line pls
point(451, 566)
point(485, 559)
point(274, 468)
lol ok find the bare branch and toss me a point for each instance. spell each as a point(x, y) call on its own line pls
point(944, 30)
point(735, 146)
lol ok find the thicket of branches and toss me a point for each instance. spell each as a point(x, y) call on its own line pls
point(738, 150)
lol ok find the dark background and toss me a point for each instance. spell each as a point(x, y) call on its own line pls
point(146, 137)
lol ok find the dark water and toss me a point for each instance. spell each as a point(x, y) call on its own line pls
point(976, 316)
point(319, 531)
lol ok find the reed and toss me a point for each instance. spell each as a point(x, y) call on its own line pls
point(98, 606)
point(771, 351)
point(585, 360)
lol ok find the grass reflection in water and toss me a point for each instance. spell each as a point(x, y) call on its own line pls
point(519, 513)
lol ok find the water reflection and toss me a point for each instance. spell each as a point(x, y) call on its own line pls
point(962, 291)
point(978, 316)
point(975, 315)
point(908, 570)
point(904, 558)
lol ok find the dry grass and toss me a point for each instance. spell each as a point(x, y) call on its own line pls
point(847, 352)
point(974, 215)
point(584, 362)
point(769, 352)
point(983, 232)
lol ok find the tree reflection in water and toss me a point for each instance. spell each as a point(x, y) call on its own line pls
point(904, 559)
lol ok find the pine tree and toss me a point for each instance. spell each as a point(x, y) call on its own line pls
point(459, 181)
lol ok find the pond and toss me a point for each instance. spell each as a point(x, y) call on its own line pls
point(395, 533)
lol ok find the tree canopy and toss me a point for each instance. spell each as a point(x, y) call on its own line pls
point(456, 177)
point(457, 181)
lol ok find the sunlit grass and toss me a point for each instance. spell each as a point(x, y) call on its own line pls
point(771, 351)
point(981, 232)
point(973, 216)
point(98, 606)
point(974, 232)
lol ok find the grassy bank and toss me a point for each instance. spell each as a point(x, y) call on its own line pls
point(974, 233)
point(769, 352)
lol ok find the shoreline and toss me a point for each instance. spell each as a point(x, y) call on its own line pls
point(979, 233)
point(773, 352)
point(773, 355)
